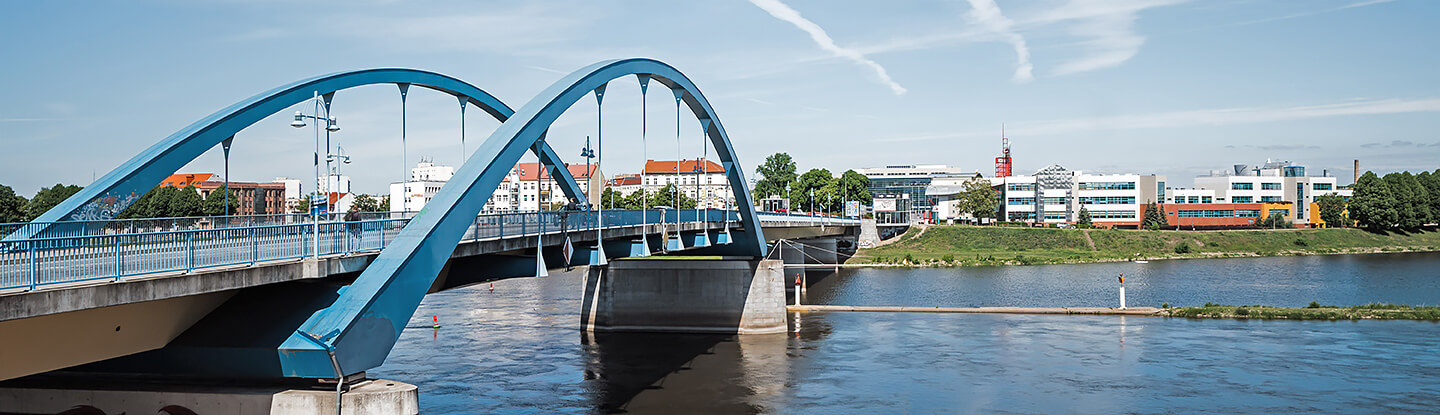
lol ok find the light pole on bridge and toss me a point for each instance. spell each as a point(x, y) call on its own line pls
point(330, 126)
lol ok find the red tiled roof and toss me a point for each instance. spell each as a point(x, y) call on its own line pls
point(185, 179)
point(527, 171)
point(686, 166)
point(625, 181)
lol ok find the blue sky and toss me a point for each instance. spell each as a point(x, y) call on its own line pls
point(1147, 86)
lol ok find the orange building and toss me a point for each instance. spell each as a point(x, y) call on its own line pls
point(1222, 215)
point(251, 198)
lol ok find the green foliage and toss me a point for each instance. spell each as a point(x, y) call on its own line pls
point(1332, 210)
point(667, 196)
point(1165, 305)
point(1412, 200)
point(185, 202)
point(12, 206)
point(47, 198)
point(1084, 218)
point(1154, 218)
point(948, 258)
point(1373, 206)
point(776, 173)
point(304, 205)
point(611, 199)
point(822, 185)
point(215, 203)
point(1182, 248)
point(855, 186)
point(1275, 221)
point(979, 199)
point(367, 203)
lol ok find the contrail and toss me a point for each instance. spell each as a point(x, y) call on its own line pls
point(784, 12)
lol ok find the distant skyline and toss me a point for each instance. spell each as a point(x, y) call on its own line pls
point(1170, 87)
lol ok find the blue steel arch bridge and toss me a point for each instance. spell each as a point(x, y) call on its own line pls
point(307, 297)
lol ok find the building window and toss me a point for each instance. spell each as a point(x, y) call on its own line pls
point(1022, 215)
point(1247, 213)
point(1020, 187)
point(1108, 200)
point(1054, 200)
point(1269, 186)
point(1055, 215)
point(1020, 201)
point(1269, 198)
point(1282, 212)
point(1242, 186)
point(1107, 186)
point(1112, 214)
point(1323, 186)
point(1242, 199)
point(1208, 213)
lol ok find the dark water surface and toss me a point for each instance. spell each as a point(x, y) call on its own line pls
point(519, 349)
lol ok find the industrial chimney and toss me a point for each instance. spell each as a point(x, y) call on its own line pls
point(1357, 172)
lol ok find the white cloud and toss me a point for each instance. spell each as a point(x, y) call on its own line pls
point(1108, 27)
point(785, 13)
point(1203, 117)
point(987, 14)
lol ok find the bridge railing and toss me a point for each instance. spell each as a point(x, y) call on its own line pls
point(104, 252)
point(150, 225)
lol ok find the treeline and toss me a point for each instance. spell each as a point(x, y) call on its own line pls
point(778, 178)
point(175, 202)
point(1395, 201)
point(16, 208)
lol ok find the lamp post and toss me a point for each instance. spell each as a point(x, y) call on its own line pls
point(330, 126)
point(589, 153)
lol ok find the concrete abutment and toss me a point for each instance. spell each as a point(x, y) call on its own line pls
point(726, 296)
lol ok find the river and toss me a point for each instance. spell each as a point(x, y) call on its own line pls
point(519, 350)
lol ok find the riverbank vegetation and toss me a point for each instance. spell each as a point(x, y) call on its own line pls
point(962, 245)
point(1314, 312)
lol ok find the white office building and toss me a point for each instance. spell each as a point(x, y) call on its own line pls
point(1274, 181)
point(426, 179)
point(1056, 195)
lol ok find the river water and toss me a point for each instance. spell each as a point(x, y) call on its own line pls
point(519, 350)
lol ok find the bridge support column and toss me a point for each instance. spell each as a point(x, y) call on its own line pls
point(729, 296)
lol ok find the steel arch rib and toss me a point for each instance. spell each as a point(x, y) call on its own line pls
point(363, 324)
point(109, 195)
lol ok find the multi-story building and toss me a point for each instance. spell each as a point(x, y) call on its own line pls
point(426, 179)
point(624, 184)
point(292, 193)
point(704, 182)
point(1056, 195)
point(1274, 181)
point(903, 188)
point(251, 198)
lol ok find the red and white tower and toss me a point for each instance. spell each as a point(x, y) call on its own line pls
point(1003, 163)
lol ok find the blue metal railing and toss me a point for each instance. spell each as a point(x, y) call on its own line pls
point(98, 251)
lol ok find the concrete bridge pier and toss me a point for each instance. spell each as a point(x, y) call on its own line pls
point(726, 296)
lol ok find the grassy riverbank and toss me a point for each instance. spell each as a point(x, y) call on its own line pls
point(991, 245)
point(1314, 312)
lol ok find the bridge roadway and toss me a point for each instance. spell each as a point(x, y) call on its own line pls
point(135, 291)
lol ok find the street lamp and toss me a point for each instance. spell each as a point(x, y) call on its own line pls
point(330, 126)
point(588, 153)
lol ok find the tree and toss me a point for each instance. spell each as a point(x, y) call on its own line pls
point(185, 202)
point(367, 203)
point(666, 196)
point(1154, 218)
point(609, 198)
point(1402, 190)
point(1084, 218)
point(979, 199)
point(1431, 183)
point(824, 187)
point(776, 173)
point(215, 204)
point(1275, 221)
point(1332, 211)
point(855, 186)
point(1373, 206)
point(47, 198)
point(304, 205)
point(12, 206)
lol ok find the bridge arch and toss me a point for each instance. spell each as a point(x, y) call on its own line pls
point(363, 324)
point(106, 197)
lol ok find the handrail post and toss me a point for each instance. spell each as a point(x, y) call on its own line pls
point(189, 253)
point(254, 247)
point(34, 267)
point(119, 259)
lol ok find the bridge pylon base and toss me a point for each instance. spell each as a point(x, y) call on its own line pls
point(729, 296)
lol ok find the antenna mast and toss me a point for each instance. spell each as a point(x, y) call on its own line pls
point(1003, 164)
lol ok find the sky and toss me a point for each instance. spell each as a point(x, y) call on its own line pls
point(1170, 87)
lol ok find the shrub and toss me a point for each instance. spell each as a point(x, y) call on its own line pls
point(948, 258)
point(1301, 242)
point(1242, 311)
point(1182, 248)
point(1313, 304)
point(909, 258)
point(1164, 305)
